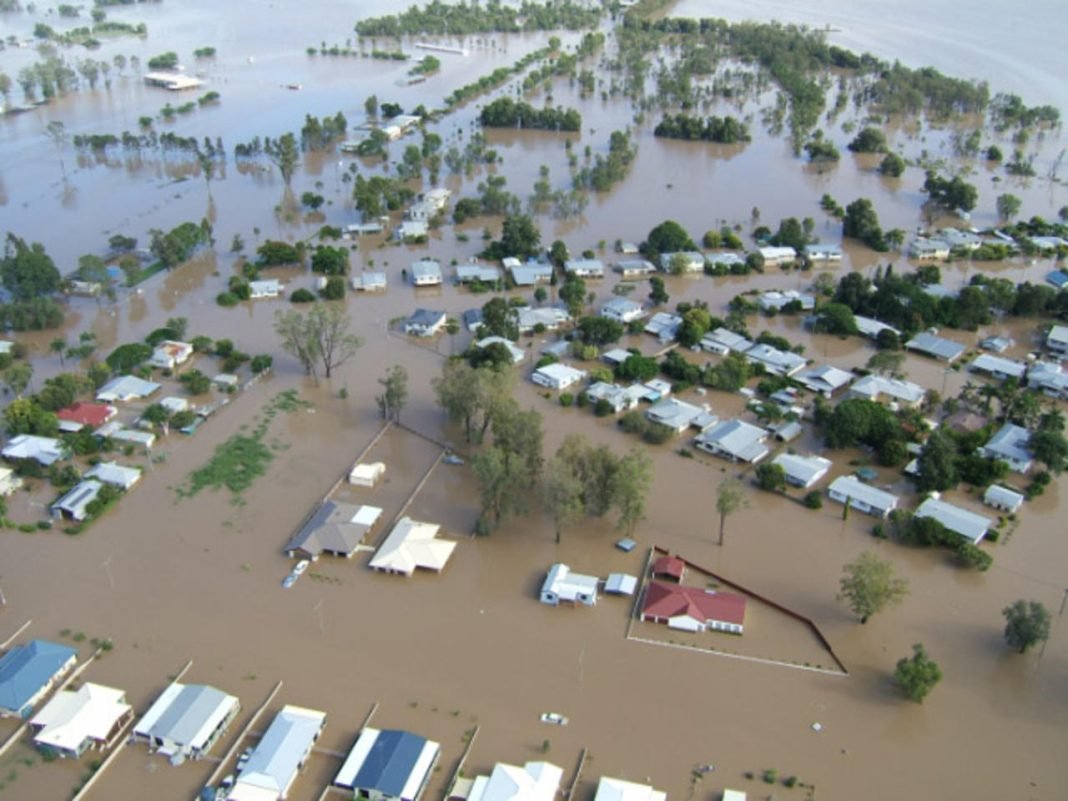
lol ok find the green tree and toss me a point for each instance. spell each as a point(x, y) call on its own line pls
point(499, 319)
point(771, 477)
point(936, 468)
point(917, 674)
point(632, 480)
point(658, 295)
point(869, 140)
point(319, 337)
point(25, 416)
point(519, 237)
point(27, 270)
point(886, 362)
point(561, 493)
point(667, 237)
point(869, 586)
point(730, 498)
point(862, 222)
point(573, 293)
point(17, 377)
point(1027, 623)
point(1008, 206)
point(836, 318)
point(394, 394)
point(472, 395)
point(599, 330)
point(126, 358)
point(285, 154)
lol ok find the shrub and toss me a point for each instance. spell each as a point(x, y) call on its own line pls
point(814, 500)
point(582, 401)
point(770, 776)
point(973, 556)
point(657, 434)
point(633, 422)
point(302, 296)
point(226, 299)
point(566, 399)
point(603, 408)
point(261, 363)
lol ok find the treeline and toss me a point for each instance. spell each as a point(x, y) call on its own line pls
point(31, 277)
point(722, 130)
point(609, 170)
point(504, 112)
point(495, 78)
point(178, 244)
point(150, 141)
point(318, 134)
point(440, 19)
point(903, 302)
point(565, 63)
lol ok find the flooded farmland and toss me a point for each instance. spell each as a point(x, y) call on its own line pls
point(470, 652)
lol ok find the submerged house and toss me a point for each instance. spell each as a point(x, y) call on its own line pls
point(960, 521)
point(870, 500)
point(736, 440)
point(186, 720)
point(336, 529)
point(563, 586)
point(388, 765)
point(410, 546)
point(609, 789)
point(43, 450)
point(75, 721)
point(29, 672)
point(1011, 444)
point(279, 756)
point(535, 781)
point(693, 608)
point(802, 471)
point(74, 504)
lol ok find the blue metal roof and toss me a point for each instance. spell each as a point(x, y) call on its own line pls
point(390, 762)
point(26, 669)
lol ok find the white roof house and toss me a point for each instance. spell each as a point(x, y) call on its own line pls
point(584, 268)
point(924, 248)
point(412, 545)
point(969, 525)
point(1057, 339)
point(872, 328)
point(874, 387)
point(170, 354)
point(425, 323)
point(44, 450)
point(114, 474)
point(74, 721)
point(778, 255)
point(426, 272)
point(484, 273)
point(186, 720)
point(264, 288)
point(936, 347)
point(126, 388)
point(678, 415)
point(723, 341)
point(623, 310)
point(663, 325)
point(997, 366)
point(561, 585)
point(821, 251)
point(279, 755)
point(1003, 498)
point(74, 503)
point(609, 789)
point(825, 379)
point(432, 202)
point(620, 584)
point(691, 261)
point(619, 398)
point(873, 501)
point(535, 781)
point(634, 268)
point(9, 482)
point(1048, 379)
point(550, 317)
point(515, 352)
point(174, 81)
point(531, 273)
point(557, 376)
point(774, 300)
point(411, 229)
point(736, 440)
point(369, 282)
point(802, 471)
point(775, 361)
point(388, 765)
point(726, 258)
point(1010, 444)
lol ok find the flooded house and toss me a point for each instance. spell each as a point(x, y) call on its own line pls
point(115, 474)
point(1011, 444)
point(724, 341)
point(425, 323)
point(584, 268)
point(186, 721)
point(618, 398)
point(802, 471)
point(264, 289)
point(43, 450)
point(81, 415)
point(997, 367)
point(863, 497)
point(676, 414)
point(170, 354)
point(825, 379)
point(1003, 498)
point(774, 301)
point(777, 256)
point(682, 262)
point(888, 390)
point(74, 504)
point(971, 526)
point(477, 273)
point(563, 586)
point(634, 268)
point(664, 326)
point(775, 361)
point(516, 353)
point(609, 789)
point(693, 608)
point(936, 347)
point(1057, 340)
point(871, 328)
point(412, 546)
point(336, 529)
point(29, 672)
point(1049, 379)
point(535, 781)
point(426, 272)
point(530, 274)
point(369, 282)
point(557, 376)
point(823, 252)
point(279, 755)
point(549, 318)
point(623, 310)
point(735, 440)
point(92, 717)
point(126, 388)
point(388, 765)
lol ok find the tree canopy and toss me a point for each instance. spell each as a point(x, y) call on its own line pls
point(869, 586)
point(1027, 623)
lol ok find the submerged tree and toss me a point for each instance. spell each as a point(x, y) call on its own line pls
point(394, 394)
point(285, 153)
point(917, 674)
point(319, 337)
point(730, 498)
point(869, 585)
point(1027, 624)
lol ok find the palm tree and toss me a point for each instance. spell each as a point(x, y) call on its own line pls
point(59, 347)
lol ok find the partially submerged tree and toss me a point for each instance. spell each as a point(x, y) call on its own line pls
point(394, 394)
point(320, 337)
point(285, 154)
point(869, 585)
point(471, 395)
point(1027, 623)
point(730, 498)
point(917, 674)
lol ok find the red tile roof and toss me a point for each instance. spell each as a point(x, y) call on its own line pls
point(665, 601)
point(669, 566)
point(87, 414)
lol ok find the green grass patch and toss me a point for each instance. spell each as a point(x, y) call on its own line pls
point(244, 457)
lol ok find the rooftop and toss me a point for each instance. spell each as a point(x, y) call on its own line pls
point(935, 346)
point(672, 600)
point(969, 525)
point(411, 545)
point(391, 762)
point(26, 669)
point(279, 754)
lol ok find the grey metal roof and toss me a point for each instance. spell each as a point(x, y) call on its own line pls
point(960, 521)
point(184, 719)
point(935, 346)
point(425, 317)
point(282, 748)
point(330, 529)
point(997, 495)
point(389, 762)
point(737, 439)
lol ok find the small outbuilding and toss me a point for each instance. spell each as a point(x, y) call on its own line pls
point(563, 586)
point(1003, 498)
point(367, 474)
point(669, 567)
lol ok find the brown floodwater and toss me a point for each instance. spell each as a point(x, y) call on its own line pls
point(171, 580)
